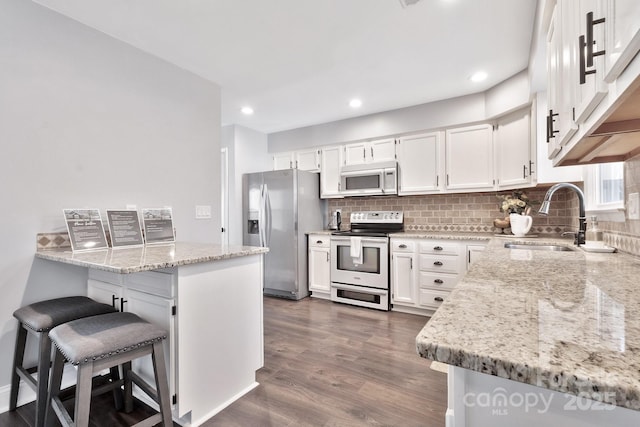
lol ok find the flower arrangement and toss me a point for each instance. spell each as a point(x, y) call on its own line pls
point(517, 202)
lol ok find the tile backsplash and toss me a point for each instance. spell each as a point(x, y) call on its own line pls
point(465, 212)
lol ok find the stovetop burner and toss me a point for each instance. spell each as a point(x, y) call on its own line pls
point(374, 224)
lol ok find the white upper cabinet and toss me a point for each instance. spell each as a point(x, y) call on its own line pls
point(308, 160)
point(330, 163)
point(623, 36)
point(370, 151)
point(469, 158)
point(419, 163)
point(513, 150)
point(283, 161)
point(589, 43)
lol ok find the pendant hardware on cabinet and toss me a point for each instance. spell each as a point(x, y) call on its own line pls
point(590, 42)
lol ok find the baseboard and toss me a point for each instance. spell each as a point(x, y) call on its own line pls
point(28, 395)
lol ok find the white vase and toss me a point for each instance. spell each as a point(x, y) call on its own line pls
point(520, 224)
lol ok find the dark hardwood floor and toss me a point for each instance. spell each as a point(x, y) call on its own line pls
point(326, 364)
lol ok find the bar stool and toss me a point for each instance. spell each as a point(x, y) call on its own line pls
point(99, 342)
point(38, 318)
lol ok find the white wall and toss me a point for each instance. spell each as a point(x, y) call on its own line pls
point(88, 121)
point(505, 97)
point(247, 150)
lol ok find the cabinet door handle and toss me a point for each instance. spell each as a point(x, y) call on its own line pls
point(438, 281)
point(524, 171)
point(402, 246)
point(439, 299)
point(328, 257)
point(113, 301)
point(438, 263)
point(530, 168)
point(372, 153)
point(583, 66)
point(590, 42)
point(437, 248)
point(550, 132)
point(122, 302)
point(364, 153)
point(319, 242)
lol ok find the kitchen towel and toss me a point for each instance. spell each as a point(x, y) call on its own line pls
point(356, 250)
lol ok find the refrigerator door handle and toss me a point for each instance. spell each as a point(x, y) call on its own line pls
point(261, 216)
point(267, 214)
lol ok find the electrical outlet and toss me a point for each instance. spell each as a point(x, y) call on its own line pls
point(203, 211)
point(634, 206)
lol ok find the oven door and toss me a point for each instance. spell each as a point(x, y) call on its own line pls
point(370, 267)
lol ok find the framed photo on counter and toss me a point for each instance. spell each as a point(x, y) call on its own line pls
point(158, 225)
point(85, 228)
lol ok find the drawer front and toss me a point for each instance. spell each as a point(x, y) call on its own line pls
point(106, 276)
point(434, 281)
point(440, 263)
point(442, 247)
point(432, 299)
point(152, 282)
point(403, 245)
point(319, 241)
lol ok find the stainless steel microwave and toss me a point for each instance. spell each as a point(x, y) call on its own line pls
point(369, 179)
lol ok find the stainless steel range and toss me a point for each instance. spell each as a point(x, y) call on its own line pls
point(360, 259)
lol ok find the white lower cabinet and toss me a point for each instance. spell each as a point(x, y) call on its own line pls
point(150, 296)
point(424, 271)
point(319, 266)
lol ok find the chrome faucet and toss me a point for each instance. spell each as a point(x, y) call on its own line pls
point(544, 208)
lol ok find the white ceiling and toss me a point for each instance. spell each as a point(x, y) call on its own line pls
point(299, 62)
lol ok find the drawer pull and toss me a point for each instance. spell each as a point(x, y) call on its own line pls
point(402, 246)
point(437, 248)
point(438, 281)
point(438, 263)
point(319, 242)
point(439, 299)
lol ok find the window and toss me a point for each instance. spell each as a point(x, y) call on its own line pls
point(604, 191)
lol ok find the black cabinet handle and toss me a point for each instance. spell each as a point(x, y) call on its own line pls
point(439, 299)
point(122, 302)
point(319, 242)
point(438, 281)
point(113, 301)
point(590, 42)
point(437, 248)
point(550, 132)
point(403, 246)
point(438, 263)
point(583, 66)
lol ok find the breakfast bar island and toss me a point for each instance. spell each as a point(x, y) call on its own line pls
point(208, 297)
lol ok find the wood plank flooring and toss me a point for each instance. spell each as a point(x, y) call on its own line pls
point(328, 365)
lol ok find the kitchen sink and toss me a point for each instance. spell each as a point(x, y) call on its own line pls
point(537, 247)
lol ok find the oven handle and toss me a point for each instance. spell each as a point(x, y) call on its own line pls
point(363, 239)
point(374, 291)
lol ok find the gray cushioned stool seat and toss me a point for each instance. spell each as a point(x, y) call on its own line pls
point(44, 315)
point(98, 337)
point(38, 318)
point(99, 342)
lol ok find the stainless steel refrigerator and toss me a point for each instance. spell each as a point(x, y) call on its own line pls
point(279, 208)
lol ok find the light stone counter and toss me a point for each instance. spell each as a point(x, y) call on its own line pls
point(443, 235)
point(564, 321)
point(150, 257)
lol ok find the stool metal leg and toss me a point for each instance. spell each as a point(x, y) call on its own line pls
point(18, 360)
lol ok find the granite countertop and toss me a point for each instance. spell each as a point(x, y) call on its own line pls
point(443, 235)
point(566, 321)
point(150, 257)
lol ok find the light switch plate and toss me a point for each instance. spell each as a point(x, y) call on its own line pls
point(203, 211)
point(634, 206)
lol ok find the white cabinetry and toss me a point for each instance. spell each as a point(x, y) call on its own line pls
point(151, 296)
point(319, 266)
point(622, 36)
point(330, 163)
point(469, 158)
point(473, 251)
point(419, 163)
point(308, 160)
point(513, 150)
point(424, 271)
point(369, 152)
point(403, 273)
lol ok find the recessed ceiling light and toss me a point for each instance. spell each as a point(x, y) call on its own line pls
point(478, 76)
point(247, 110)
point(355, 103)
